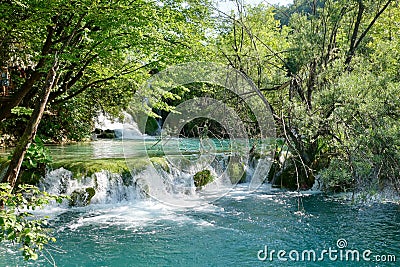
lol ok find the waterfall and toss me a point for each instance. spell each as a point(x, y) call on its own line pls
point(127, 130)
point(108, 187)
point(104, 123)
point(168, 182)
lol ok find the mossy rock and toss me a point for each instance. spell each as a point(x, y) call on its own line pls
point(127, 178)
point(107, 135)
point(160, 163)
point(287, 177)
point(81, 197)
point(151, 126)
point(126, 167)
point(202, 178)
point(236, 172)
point(86, 168)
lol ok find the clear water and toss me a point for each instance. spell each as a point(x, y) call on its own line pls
point(143, 147)
point(228, 232)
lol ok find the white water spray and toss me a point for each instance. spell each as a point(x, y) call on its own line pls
point(127, 130)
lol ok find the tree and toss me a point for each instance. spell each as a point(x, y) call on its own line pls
point(326, 40)
point(325, 45)
point(367, 118)
point(100, 48)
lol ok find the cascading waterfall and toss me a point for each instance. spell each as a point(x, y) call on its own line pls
point(130, 129)
point(108, 187)
point(176, 182)
point(127, 130)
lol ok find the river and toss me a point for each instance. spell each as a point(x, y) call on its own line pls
point(263, 227)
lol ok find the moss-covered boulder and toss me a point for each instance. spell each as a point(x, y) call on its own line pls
point(151, 126)
point(236, 172)
point(107, 134)
point(87, 167)
point(125, 166)
point(202, 178)
point(81, 197)
point(160, 163)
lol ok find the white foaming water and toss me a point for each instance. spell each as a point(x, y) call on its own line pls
point(123, 203)
point(105, 123)
point(127, 130)
point(125, 199)
point(116, 203)
point(136, 215)
point(173, 186)
point(176, 187)
point(109, 187)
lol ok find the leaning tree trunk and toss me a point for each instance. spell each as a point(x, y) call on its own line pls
point(31, 128)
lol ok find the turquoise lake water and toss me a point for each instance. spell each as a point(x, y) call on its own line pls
point(229, 232)
point(234, 230)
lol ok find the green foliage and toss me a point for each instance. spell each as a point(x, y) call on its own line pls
point(73, 122)
point(368, 123)
point(18, 225)
point(151, 126)
point(249, 43)
point(337, 177)
point(22, 111)
point(331, 77)
point(14, 126)
point(37, 155)
point(106, 51)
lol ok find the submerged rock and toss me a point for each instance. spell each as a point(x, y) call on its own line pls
point(81, 197)
point(202, 178)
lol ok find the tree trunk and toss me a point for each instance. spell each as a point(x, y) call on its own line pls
point(28, 84)
point(31, 128)
point(19, 96)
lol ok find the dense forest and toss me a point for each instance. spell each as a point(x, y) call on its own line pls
point(330, 71)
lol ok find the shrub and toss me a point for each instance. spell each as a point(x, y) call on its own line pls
point(16, 222)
